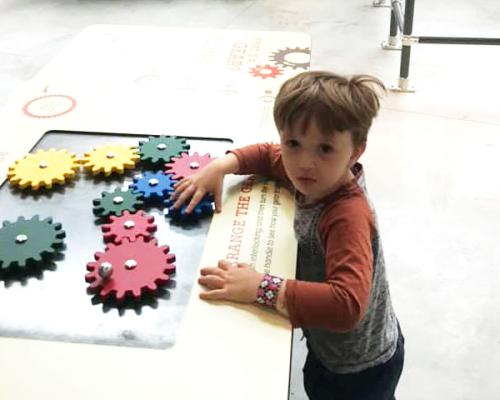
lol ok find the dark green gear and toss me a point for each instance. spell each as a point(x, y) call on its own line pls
point(29, 241)
point(116, 202)
point(161, 149)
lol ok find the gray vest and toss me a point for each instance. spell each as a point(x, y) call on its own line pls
point(373, 340)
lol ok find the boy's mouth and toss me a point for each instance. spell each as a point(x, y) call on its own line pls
point(306, 179)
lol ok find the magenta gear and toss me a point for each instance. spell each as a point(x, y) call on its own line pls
point(266, 71)
point(187, 165)
point(129, 226)
point(130, 268)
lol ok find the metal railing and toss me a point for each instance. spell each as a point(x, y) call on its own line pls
point(402, 21)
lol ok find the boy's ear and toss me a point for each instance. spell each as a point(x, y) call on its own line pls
point(358, 151)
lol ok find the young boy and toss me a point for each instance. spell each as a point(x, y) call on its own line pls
point(341, 296)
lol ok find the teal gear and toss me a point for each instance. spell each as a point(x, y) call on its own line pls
point(116, 202)
point(29, 241)
point(161, 149)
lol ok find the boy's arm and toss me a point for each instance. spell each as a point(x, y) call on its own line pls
point(261, 159)
point(264, 159)
point(209, 179)
point(341, 302)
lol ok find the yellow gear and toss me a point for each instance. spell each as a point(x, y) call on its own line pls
point(43, 169)
point(111, 158)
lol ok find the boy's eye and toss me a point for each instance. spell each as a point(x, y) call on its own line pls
point(326, 148)
point(292, 143)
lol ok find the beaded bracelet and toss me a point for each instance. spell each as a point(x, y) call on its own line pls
point(267, 293)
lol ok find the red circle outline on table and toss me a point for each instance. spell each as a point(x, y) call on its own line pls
point(30, 114)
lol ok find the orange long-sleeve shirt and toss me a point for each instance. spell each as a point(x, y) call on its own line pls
point(333, 296)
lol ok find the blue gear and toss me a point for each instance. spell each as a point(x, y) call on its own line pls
point(202, 209)
point(153, 185)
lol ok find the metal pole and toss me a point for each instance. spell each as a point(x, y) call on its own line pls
point(404, 71)
point(458, 40)
point(393, 42)
point(398, 13)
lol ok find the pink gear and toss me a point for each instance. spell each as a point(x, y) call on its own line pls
point(130, 268)
point(266, 71)
point(186, 165)
point(130, 226)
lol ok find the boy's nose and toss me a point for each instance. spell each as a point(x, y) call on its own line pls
point(306, 162)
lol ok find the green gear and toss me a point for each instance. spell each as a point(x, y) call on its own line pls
point(29, 240)
point(116, 202)
point(162, 149)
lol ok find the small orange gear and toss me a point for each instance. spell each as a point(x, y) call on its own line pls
point(266, 71)
point(110, 158)
point(44, 168)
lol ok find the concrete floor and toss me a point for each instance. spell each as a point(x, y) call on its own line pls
point(430, 162)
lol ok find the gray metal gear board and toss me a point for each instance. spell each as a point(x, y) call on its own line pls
point(53, 304)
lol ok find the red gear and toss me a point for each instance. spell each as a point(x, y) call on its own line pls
point(186, 165)
point(266, 71)
point(137, 267)
point(130, 226)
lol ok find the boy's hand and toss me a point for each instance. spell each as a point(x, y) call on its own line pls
point(230, 281)
point(194, 187)
point(209, 179)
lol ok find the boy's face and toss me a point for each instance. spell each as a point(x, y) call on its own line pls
point(318, 163)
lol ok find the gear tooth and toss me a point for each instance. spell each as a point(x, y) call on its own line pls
point(171, 258)
point(120, 295)
point(95, 286)
point(151, 286)
point(89, 278)
point(169, 269)
point(14, 181)
point(109, 237)
point(163, 279)
point(24, 183)
point(106, 291)
point(59, 180)
point(96, 202)
point(107, 170)
point(98, 255)
point(67, 175)
point(110, 246)
point(35, 258)
point(105, 228)
point(91, 266)
point(136, 292)
point(98, 212)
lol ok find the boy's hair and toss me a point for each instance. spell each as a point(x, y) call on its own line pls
point(336, 103)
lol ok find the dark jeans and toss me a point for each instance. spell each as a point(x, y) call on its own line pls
point(376, 383)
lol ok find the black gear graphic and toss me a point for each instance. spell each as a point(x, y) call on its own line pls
point(280, 57)
point(29, 240)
